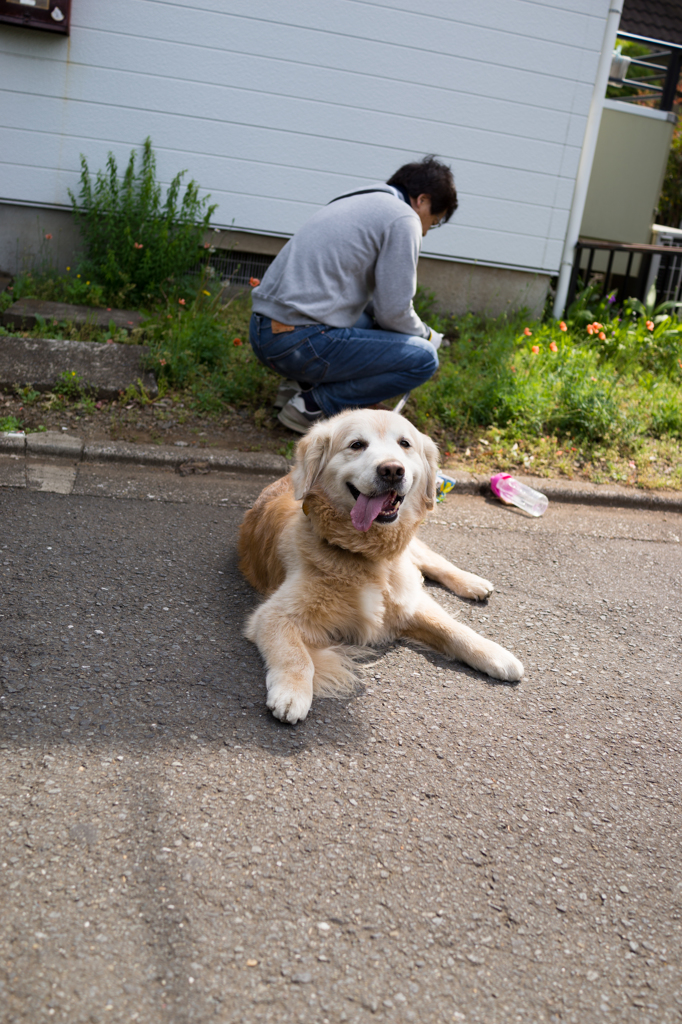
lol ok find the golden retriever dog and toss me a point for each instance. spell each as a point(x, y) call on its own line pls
point(333, 548)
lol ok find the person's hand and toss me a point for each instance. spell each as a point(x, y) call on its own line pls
point(435, 338)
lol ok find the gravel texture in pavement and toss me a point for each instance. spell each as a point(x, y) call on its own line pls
point(439, 847)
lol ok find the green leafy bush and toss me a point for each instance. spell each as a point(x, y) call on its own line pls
point(136, 242)
point(670, 203)
point(202, 345)
point(70, 385)
point(9, 423)
point(52, 287)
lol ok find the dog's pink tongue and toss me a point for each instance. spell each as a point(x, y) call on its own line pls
point(365, 510)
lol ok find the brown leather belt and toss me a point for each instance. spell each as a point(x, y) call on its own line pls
point(278, 328)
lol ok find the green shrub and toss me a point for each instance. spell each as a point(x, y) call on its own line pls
point(9, 423)
point(69, 385)
point(201, 344)
point(670, 203)
point(51, 287)
point(136, 243)
point(666, 414)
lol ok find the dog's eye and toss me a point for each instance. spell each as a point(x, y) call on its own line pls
point(357, 446)
point(404, 443)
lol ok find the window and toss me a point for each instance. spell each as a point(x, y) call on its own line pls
point(47, 15)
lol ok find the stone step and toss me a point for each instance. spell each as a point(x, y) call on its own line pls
point(105, 368)
point(24, 312)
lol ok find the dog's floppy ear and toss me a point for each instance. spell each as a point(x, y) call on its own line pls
point(311, 455)
point(430, 460)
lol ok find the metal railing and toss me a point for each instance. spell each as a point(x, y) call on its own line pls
point(628, 283)
point(665, 61)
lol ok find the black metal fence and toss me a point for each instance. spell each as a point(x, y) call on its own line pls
point(659, 76)
point(639, 268)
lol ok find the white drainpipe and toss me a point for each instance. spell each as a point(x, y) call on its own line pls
point(582, 180)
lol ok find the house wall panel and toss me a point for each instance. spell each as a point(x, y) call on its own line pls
point(237, 91)
point(276, 108)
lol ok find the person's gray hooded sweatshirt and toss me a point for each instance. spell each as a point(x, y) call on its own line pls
point(360, 247)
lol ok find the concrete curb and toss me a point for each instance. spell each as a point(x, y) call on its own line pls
point(75, 448)
point(577, 493)
point(53, 443)
point(105, 369)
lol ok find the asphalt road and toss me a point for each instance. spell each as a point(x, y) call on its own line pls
point(437, 848)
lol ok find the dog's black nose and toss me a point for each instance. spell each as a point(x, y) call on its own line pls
point(391, 471)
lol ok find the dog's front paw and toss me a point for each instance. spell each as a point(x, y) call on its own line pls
point(288, 701)
point(501, 664)
point(474, 587)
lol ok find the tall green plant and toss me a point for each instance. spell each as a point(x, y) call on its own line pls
point(670, 203)
point(136, 241)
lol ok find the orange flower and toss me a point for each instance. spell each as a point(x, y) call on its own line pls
point(237, 341)
point(254, 281)
point(590, 329)
point(597, 326)
point(553, 346)
point(527, 331)
point(181, 301)
point(650, 325)
point(48, 237)
point(162, 362)
point(602, 336)
point(535, 349)
point(138, 245)
point(562, 326)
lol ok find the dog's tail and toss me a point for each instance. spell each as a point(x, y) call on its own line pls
point(336, 669)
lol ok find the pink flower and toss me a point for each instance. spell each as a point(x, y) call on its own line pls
point(181, 301)
point(527, 331)
point(162, 362)
point(562, 326)
point(110, 341)
point(254, 281)
point(137, 245)
point(48, 237)
point(535, 349)
point(553, 346)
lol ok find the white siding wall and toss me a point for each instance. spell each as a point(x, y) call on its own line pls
point(276, 107)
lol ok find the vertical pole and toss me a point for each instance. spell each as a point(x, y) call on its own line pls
point(582, 180)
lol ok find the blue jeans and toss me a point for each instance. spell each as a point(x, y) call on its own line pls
point(346, 367)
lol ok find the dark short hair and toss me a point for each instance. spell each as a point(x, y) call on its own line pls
point(429, 177)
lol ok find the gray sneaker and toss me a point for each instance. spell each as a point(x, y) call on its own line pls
point(295, 416)
point(287, 390)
